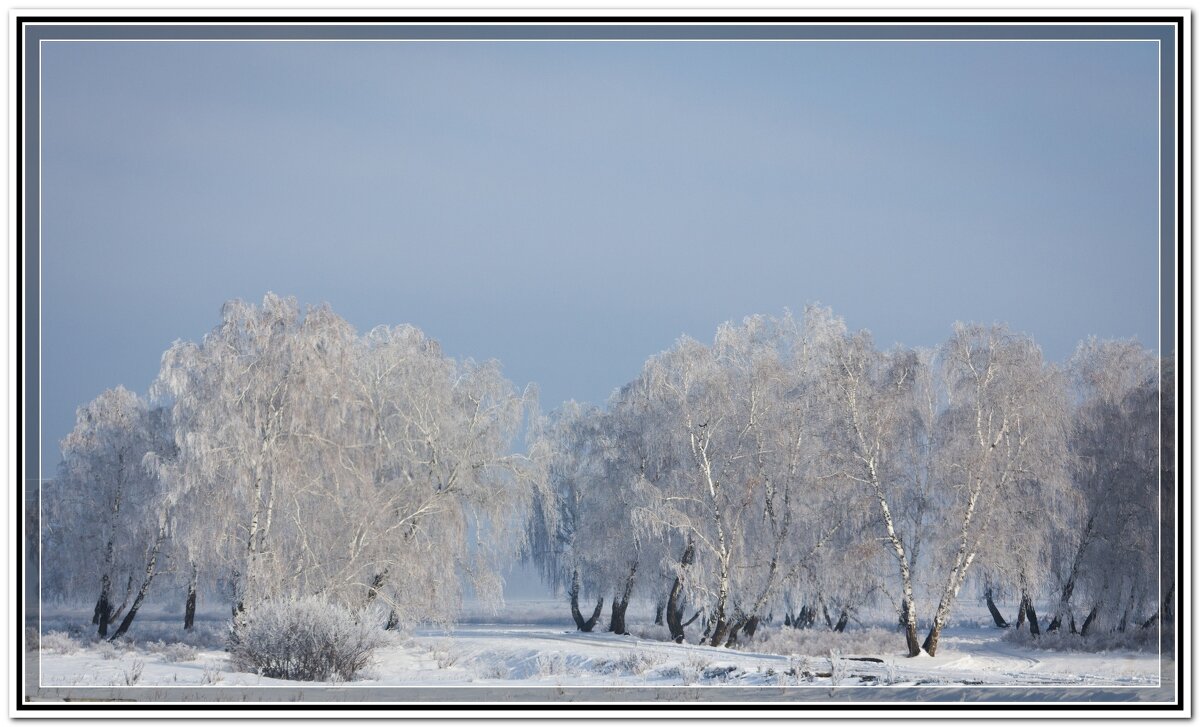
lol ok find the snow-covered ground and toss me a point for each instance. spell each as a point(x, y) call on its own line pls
point(553, 655)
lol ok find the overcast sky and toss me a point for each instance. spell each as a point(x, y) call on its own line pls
point(572, 208)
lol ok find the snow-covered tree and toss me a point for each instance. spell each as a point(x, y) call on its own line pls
point(872, 405)
point(353, 467)
point(107, 517)
point(1112, 554)
point(1003, 445)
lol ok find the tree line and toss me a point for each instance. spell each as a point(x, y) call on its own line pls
point(791, 466)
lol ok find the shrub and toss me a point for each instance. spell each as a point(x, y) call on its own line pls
point(551, 664)
point(1135, 639)
point(57, 642)
point(305, 639)
point(176, 652)
point(636, 661)
point(106, 650)
point(819, 642)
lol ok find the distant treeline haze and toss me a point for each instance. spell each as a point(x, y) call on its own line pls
point(790, 468)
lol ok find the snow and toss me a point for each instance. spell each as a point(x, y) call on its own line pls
point(505, 656)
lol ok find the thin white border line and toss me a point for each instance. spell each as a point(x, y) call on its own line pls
point(1156, 41)
point(24, 408)
point(1151, 20)
point(41, 378)
point(1158, 267)
point(599, 40)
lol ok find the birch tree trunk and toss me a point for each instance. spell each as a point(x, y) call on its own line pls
point(189, 608)
point(675, 599)
point(147, 579)
point(585, 625)
point(616, 622)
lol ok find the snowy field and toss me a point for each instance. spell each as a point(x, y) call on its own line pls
point(488, 655)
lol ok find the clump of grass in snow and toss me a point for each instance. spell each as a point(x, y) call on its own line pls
point(691, 670)
point(490, 670)
point(57, 642)
point(133, 673)
point(637, 661)
point(838, 669)
point(176, 652)
point(442, 656)
point(552, 664)
point(1134, 639)
point(106, 650)
point(820, 642)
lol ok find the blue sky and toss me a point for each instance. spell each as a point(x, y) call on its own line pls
point(572, 208)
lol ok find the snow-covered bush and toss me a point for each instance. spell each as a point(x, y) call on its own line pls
point(820, 642)
point(490, 670)
point(106, 650)
point(176, 652)
point(691, 671)
point(206, 634)
point(442, 654)
point(551, 664)
point(57, 642)
point(638, 661)
point(306, 639)
point(1136, 639)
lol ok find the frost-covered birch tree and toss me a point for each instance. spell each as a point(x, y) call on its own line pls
point(1002, 443)
point(1110, 558)
point(347, 466)
point(871, 400)
point(107, 517)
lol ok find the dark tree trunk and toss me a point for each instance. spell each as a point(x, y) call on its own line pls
point(1064, 599)
point(733, 634)
point(1150, 621)
point(658, 612)
point(931, 640)
point(1087, 622)
point(825, 613)
point(1021, 612)
point(1073, 629)
point(104, 607)
point(1033, 619)
point(787, 618)
point(616, 622)
point(720, 631)
point(997, 617)
point(1124, 621)
point(591, 622)
point(620, 604)
point(840, 626)
point(392, 621)
point(695, 616)
point(585, 625)
point(137, 603)
point(151, 571)
point(675, 599)
point(189, 610)
point(750, 627)
point(376, 585)
point(910, 631)
point(189, 607)
point(116, 614)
